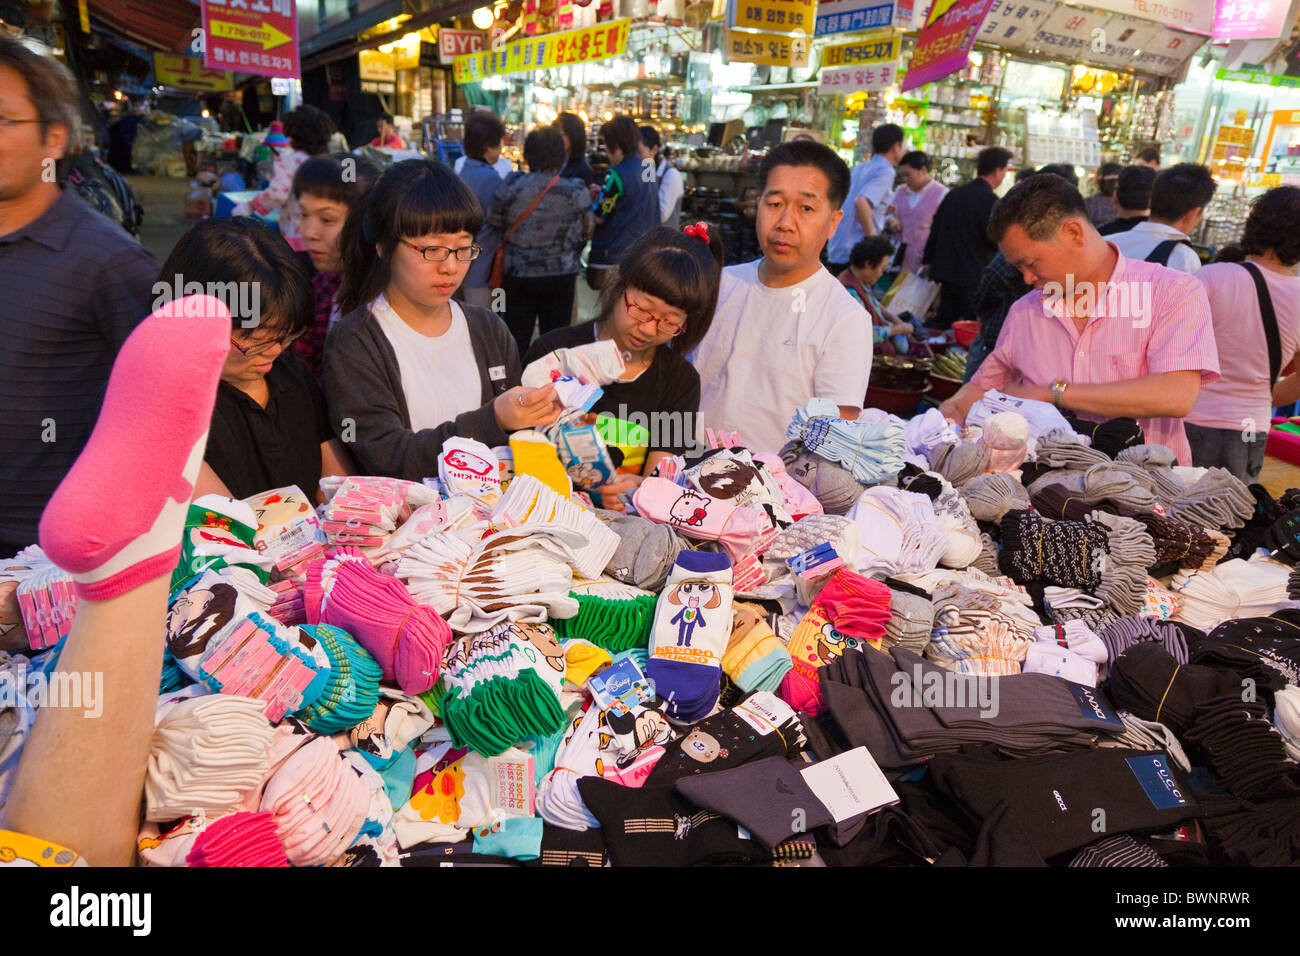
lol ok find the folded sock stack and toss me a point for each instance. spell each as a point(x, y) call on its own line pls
point(872, 451)
point(1275, 640)
point(1247, 753)
point(529, 502)
point(646, 550)
point(899, 531)
point(691, 629)
point(740, 530)
point(960, 462)
point(1146, 681)
point(238, 839)
point(1218, 499)
point(911, 618)
point(350, 695)
point(615, 618)
point(990, 496)
point(1234, 589)
point(318, 802)
point(762, 725)
point(258, 658)
point(755, 658)
point(831, 484)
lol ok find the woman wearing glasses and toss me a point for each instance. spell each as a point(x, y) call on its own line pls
point(657, 310)
point(269, 426)
point(407, 367)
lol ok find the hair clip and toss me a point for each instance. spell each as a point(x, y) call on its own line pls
point(699, 231)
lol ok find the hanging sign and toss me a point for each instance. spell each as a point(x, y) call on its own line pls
point(251, 36)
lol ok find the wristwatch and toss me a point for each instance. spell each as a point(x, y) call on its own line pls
point(1058, 392)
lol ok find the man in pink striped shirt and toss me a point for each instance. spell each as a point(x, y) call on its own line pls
point(1101, 335)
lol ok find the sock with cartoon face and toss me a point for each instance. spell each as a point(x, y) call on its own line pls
point(691, 629)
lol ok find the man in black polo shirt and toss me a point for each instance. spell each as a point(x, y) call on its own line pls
point(1132, 199)
point(72, 287)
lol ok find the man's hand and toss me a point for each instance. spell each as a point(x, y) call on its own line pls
point(1038, 393)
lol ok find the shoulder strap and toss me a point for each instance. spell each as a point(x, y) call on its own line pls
point(1269, 318)
point(528, 211)
point(1163, 250)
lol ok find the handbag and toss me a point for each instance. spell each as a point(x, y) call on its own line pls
point(498, 273)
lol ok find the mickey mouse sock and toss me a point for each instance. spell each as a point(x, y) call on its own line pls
point(691, 629)
point(143, 456)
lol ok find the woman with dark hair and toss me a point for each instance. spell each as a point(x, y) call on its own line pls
point(1101, 207)
point(326, 190)
point(269, 426)
point(914, 205)
point(1228, 425)
point(656, 311)
point(407, 367)
point(867, 262)
point(544, 220)
point(627, 206)
point(309, 130)
point(575, 148)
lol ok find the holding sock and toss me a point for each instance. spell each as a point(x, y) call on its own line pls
point(691, 630)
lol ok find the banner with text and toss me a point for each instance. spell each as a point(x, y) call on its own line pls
point(553, 49)
point(768, 49)
point(1196, 16)
point(945, 41)
point(189, 73)
point(251, 36)
point(1250, 19)
point(863, 65)
point(782, 16)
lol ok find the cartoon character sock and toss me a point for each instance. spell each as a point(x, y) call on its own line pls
point(150, 437)
point(691, 630)
point(695, 515)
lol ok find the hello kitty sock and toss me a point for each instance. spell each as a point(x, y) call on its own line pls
point(143, 457)
point(691, 629)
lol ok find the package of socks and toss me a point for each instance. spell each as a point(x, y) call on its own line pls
point(220, 532)
point(468, 467)
point(286, 522)
point(585, 457)
point(48, 604)
point(286, 668)
point(692, 626)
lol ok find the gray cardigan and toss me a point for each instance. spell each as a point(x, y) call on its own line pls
point(368, 404)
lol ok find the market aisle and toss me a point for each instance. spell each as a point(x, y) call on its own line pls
point(163, 199)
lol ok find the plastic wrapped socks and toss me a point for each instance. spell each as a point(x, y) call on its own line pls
point(156, 410)
point(760, 726)
point(353, 688)
point(692, 625)
point(407, 639)
point(615, 625)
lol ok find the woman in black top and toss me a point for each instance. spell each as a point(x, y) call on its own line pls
point(657, 311)
point(575, 145)
point(269, 425)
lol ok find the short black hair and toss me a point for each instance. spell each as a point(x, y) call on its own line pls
point(1149, 154)
point(385, 116)
point(544, 150)
point(327, 177)
point(915, 160)
point(309, 129)
point(1037, 205)
point(1108, 178)
point(991, 159)
point(412, 198)
point(1230, 253)
point(1133, 189)
point(1180, 189)
point(482, 132)
point(870, 251)
point(807, 153)
point(620, 133)
point(650, 137)
point(1272, 224)
point(682, 270)
point(249, 252)
point(886, 137)
point(576, 131)
point(1064, 170)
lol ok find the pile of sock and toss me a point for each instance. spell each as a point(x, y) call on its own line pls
point(528, 502)
point(612, 616)
point(363, 511)
point(870, 450)
point(740, 530)
point(258, 658)
point(352, 691)
point(692, 625)
point(899, 532)
point(1234, 589)
point(831, 484)
point(755, 659)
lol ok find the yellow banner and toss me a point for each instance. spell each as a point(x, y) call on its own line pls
point(783, 16)
point(770, 49)
point(189, 73)
point(861, 52)
point(553, 49)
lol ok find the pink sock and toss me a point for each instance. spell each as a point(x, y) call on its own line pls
point(117, 518)
point(701, 517)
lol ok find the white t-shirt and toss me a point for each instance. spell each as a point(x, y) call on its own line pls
point(770, 350)
point(503, 166)
point(1141, 240)
point(440, 376)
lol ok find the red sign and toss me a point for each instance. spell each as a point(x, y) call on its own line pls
point(251, 36)
point(945, 42)
point(454, 43)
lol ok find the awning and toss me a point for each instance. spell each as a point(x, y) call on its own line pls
point(156, 24)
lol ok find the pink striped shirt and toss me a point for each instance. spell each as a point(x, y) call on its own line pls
point(1150, 320)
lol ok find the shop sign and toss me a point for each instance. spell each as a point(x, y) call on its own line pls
point(543, 52)
point(945, 41)
point(1281, 118)
point(1250, 19)
point(189, 73)
point(782, 16)
point(1197, 16)
point(770, 49)
point(1168, 51)
point(861, 52)
point(251, 36)
point(1262, 79)
point(841, 16)
point(854, 79)
point(377, 66)
point(1013, 23)
point(454, 43)
point(1068, 33)
point(1125, 40)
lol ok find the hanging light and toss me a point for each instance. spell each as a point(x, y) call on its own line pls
point(482, 18)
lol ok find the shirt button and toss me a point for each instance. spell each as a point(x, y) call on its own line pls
point(1080, 355)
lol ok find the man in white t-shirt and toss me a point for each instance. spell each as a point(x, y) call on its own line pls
point(785, 329)
point(1178, 200)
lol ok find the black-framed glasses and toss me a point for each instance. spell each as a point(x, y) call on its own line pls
point(283, 341)
point(441, 253)
point(642, 316)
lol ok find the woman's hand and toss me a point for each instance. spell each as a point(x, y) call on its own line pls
point(609, 493)
point(901, 328)
point(522, 407)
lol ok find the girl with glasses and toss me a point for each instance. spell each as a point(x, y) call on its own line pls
point(269, 427)
point(657, 310)
point(407, 367)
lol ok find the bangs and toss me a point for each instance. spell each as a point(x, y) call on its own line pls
point(437, 204)
point(673, 275)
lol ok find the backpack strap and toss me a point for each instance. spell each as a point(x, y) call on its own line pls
point(1269, 318)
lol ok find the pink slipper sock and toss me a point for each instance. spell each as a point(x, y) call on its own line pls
point(136, 474)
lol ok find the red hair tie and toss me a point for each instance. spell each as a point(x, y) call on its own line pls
point(699, 231)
